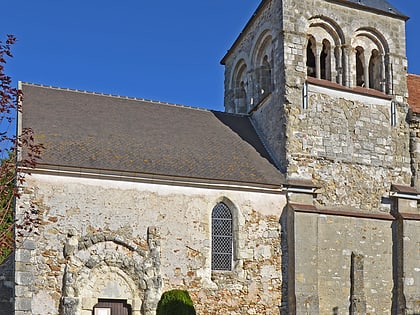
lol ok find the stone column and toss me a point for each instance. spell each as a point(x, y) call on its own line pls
point(338, 64)
point(347, 65)
point(366, 69)
point(383, 74)
point(317, 54)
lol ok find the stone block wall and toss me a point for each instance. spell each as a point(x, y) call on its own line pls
point(411, 265)
point(345, 142)
point(324, 248)
point(94, 240)
point(347, 145)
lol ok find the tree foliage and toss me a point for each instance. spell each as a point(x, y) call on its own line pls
point(12, 145)
point(175, 302)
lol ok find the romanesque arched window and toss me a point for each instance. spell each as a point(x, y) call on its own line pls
point(240, 86)
point(360, 66)
point(221, 237)
point(372, 56)
point(262, 64)
point(265, 76)
point(325, 60)
point(324, 50)
point(310, 58)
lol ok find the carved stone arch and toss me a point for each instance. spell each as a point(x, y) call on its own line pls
point(329, 49)
point(108, 266)
point(242, 58)
point(375, 36)
point(239, 86)
point(330, 26)
point(262, 47)
point(376, 58)
point(262, 65)
point(116, 286)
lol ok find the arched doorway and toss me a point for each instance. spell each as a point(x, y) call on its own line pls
point(112, 307)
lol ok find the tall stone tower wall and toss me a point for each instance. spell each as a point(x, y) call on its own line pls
point(336, 114)
point(345, 137)
point(249, 87)
point(327, 126)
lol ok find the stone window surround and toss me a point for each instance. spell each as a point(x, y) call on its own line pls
point(375, 59)
point(238, 242)
point(224, 235)
point(252, 78)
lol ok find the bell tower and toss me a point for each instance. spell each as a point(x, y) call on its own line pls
point(324, 83)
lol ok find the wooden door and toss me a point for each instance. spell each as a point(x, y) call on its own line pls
point(112, 307)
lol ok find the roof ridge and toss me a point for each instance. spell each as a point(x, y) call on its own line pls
point(115, 96)
point(413, 74)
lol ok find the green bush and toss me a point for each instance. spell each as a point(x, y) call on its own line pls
point(175, 302)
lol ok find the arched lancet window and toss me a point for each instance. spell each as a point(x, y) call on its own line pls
point(240, 93)
point(372, 60)
point(310, 58)
point(262, 64)
point(360, 66)
point(222, 238)
point(326, 60)
point(265, 76)
point(375, 74)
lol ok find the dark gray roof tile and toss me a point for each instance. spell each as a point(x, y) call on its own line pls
point(88, 130)
point(382, 5)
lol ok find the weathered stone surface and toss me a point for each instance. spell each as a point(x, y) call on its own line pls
point(124, 245)
point(350, 143)
point(340, 251)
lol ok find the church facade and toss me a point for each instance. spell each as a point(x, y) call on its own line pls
point(301, 198)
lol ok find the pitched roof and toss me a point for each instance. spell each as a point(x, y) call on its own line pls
point(413, 85)
point(381, 5)
point(109, 133)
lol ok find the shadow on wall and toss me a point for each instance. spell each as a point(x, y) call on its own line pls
point(6, 286)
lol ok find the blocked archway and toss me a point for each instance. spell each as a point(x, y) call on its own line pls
point(105, 266)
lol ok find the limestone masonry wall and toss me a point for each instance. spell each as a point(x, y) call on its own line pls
point(350, 149)
point(116, 239)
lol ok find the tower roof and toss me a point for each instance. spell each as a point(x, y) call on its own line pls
point(381, 5)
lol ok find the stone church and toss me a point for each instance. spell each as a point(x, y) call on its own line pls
point(301, 198)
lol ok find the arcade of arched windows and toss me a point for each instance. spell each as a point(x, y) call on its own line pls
point(363, 65)
point(252, 84)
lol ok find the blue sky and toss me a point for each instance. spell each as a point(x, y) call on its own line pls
point(160, 50)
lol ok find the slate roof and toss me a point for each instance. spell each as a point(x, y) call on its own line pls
point(109, 133)
point(382, 5)
point(413, 85)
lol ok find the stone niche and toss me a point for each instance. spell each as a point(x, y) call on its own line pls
point(106, 266)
